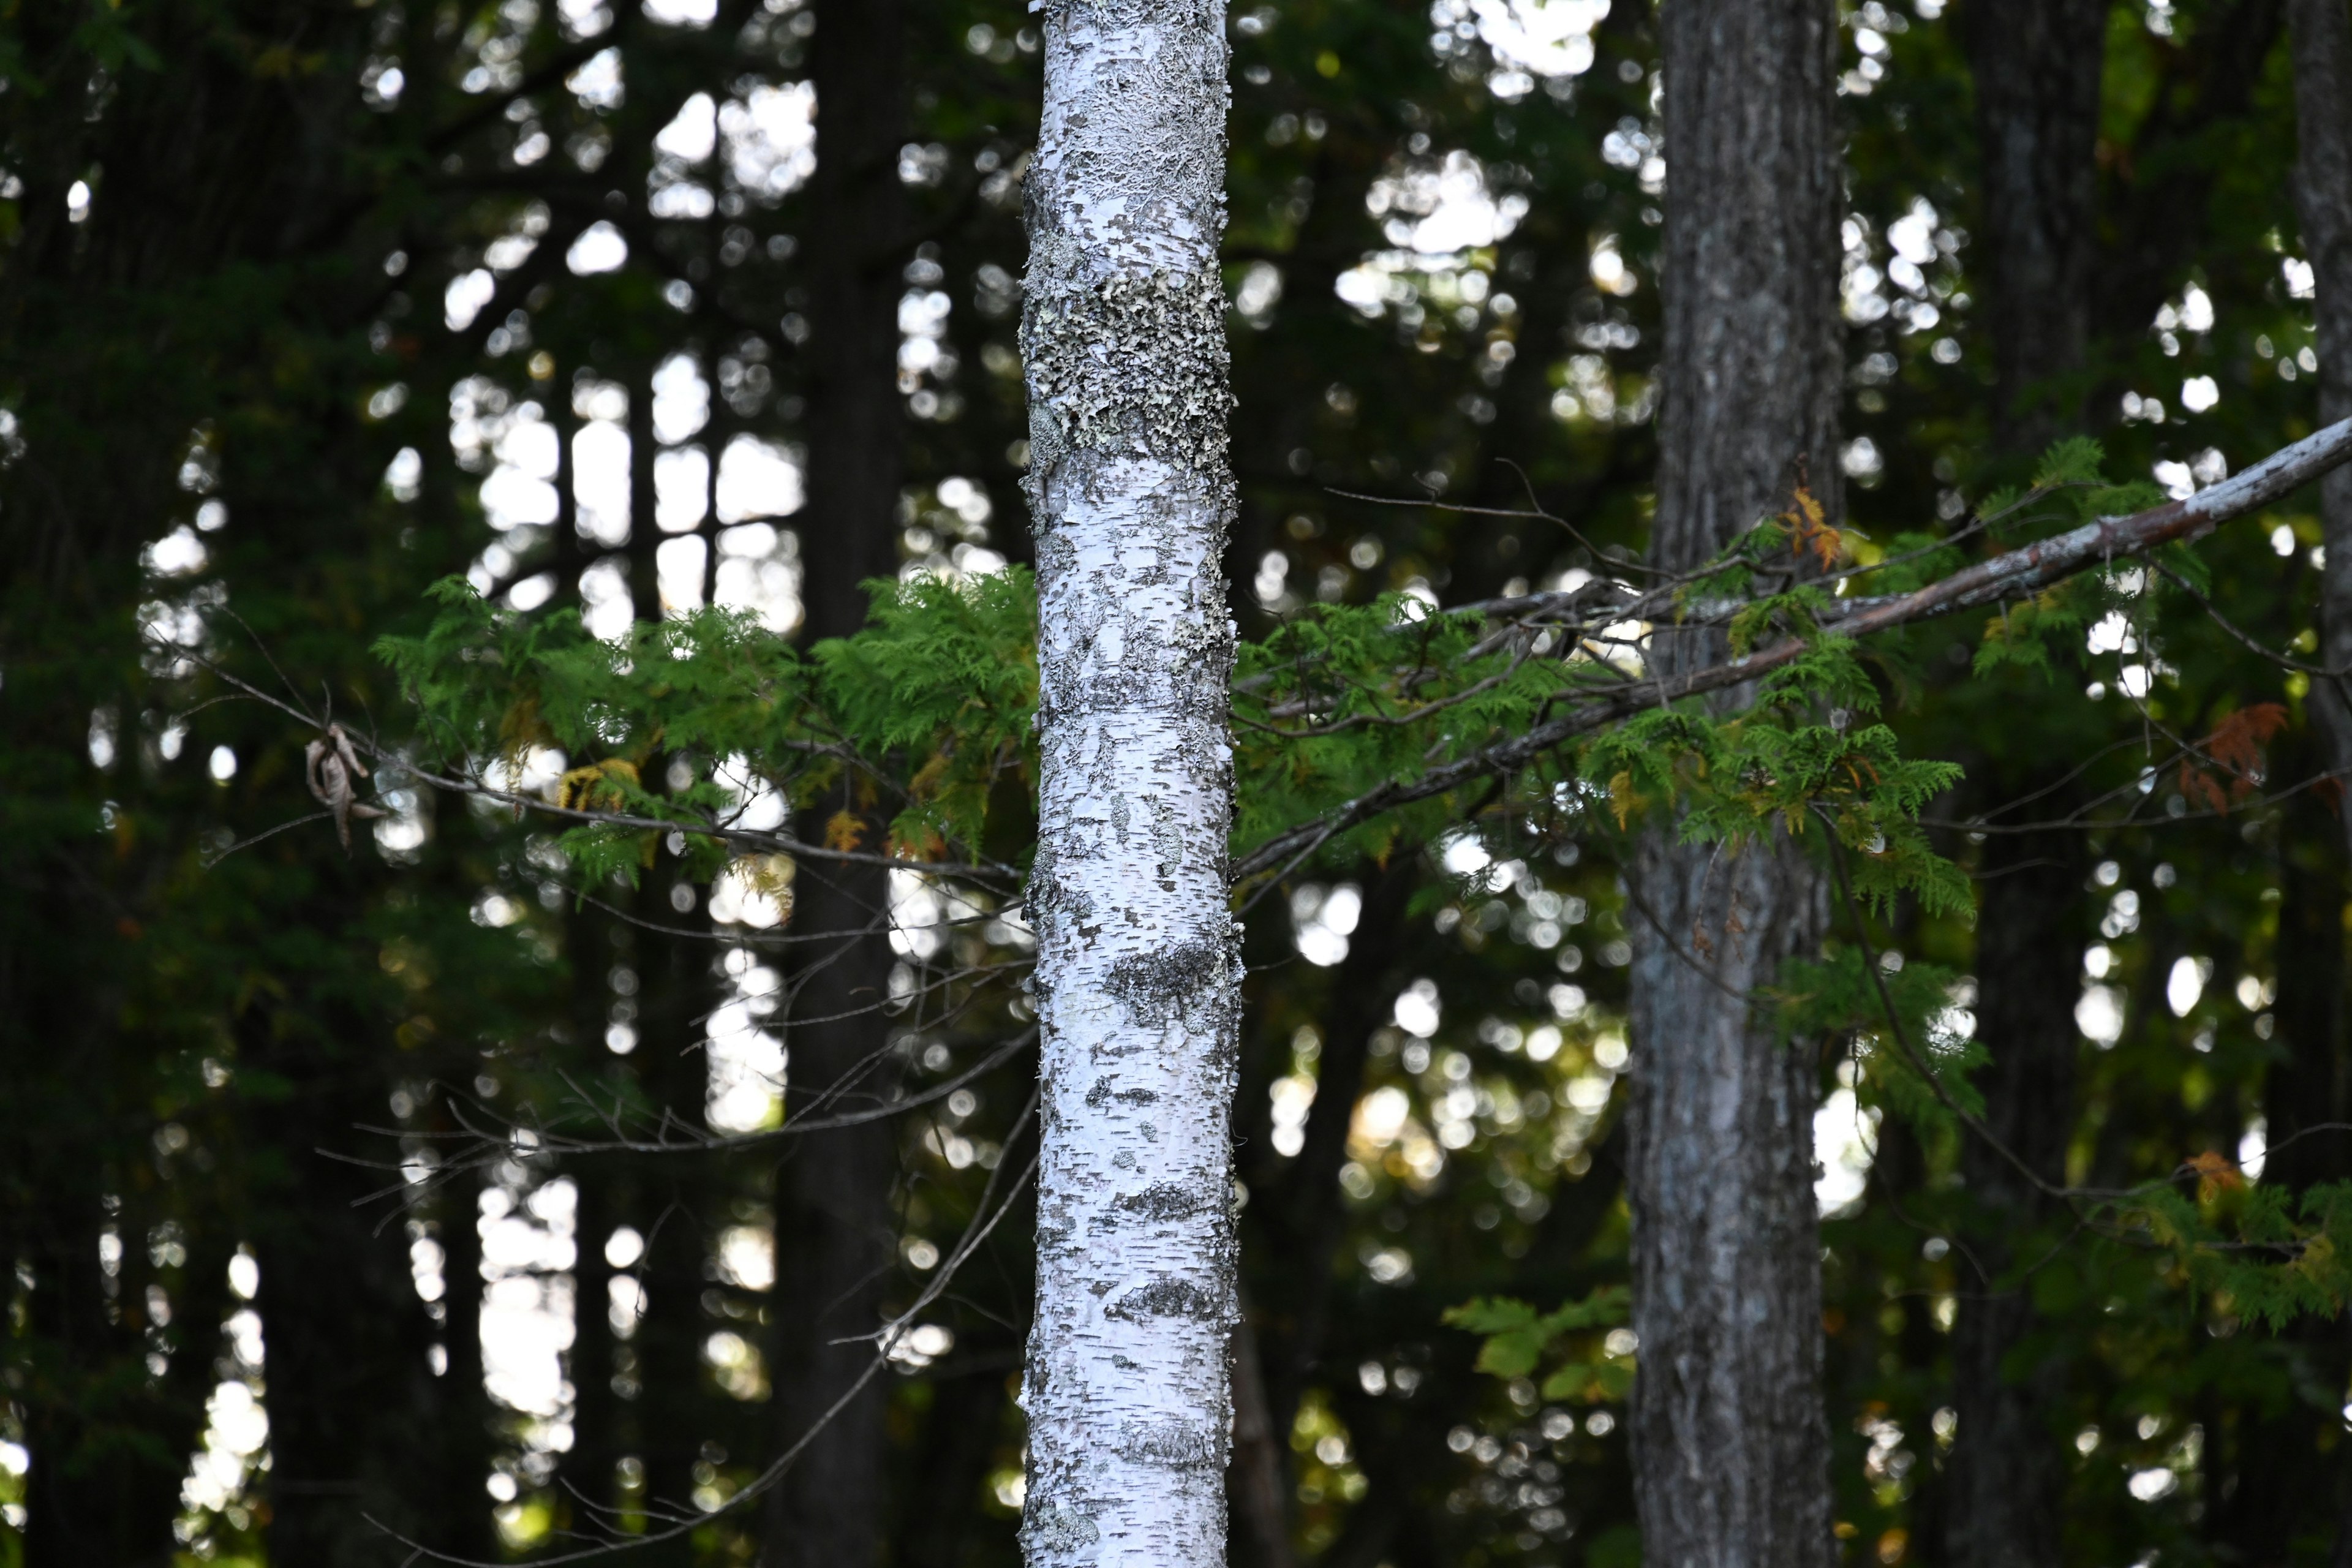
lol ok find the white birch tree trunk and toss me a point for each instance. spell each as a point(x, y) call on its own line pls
point(1139, 963)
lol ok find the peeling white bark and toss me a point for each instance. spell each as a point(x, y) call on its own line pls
point(1139, 965)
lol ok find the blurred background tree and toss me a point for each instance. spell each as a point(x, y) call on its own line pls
point(302, 309)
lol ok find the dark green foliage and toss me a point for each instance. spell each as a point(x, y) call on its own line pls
point(1897, 1028)
point(1518, 1339)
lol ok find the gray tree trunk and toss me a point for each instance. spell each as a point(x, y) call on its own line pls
point(1138, 962)
point(2321, 36)
point(1729, 1440)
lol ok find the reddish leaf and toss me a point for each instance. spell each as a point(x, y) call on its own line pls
point(2236, 746)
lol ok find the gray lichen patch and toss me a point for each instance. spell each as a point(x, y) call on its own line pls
point(1176, 1445)
point(1160, 987)
point(1170, 1200)
point(1051, 1532)
point(1170, 1297)
point(1133, 365)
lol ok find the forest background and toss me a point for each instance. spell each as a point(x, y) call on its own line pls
point(307, 309)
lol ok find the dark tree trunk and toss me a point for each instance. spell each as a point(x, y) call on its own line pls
point(1899, 1177)
point(2279, 1486)
point(1309, 1206)
point(644, 533)
point(2006, 1474)
point(596, 1407)
point(2157, 221)
point(1259, 1485)
point(942, 1486)
point(835, 1234)
point(1292, 1226)
point(675, 1416)
point(2321, 36)
point(351, 1398)
point(462, 1431)
point(856, 427)
point(571, 550)
point(2036, 66)
point(2305, 1088)
point(1728, 1439)
point(106, 1456)
point(102, 1487)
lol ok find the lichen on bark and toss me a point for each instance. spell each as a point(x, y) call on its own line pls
point(1172, 407)
point(1138, 961)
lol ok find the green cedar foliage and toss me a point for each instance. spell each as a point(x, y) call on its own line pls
point(932, 705)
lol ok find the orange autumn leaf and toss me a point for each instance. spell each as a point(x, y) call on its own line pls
point(1809, 531)
point(2236, 746)
point(844, 832)
point(2214, 1174)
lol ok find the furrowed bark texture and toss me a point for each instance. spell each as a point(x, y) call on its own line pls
point(1138, 962)
point(2322, 35)
point(836, 1238)
point(1727, 1433)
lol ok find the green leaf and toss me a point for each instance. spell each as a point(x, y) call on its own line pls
point(2073, 461)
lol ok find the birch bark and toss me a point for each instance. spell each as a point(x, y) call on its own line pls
point(1138, 962)
point(1729, 1440)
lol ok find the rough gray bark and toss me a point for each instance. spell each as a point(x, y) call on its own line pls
point(1138, 962)
point(1727, 1426)
point(2007, 1475)
point(835, 1236)
point(2036, 66)
point(2321, 36)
